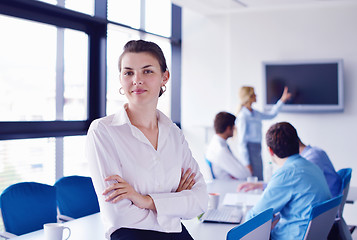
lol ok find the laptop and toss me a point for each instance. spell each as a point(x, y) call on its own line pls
point(223, 215)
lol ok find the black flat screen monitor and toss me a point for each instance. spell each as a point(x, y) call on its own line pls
point(315, 85)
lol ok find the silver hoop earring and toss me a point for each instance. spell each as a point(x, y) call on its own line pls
point(163, 88)
point(121, 91)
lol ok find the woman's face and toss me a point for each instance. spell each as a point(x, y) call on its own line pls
point(253, 97)
point(141, 78)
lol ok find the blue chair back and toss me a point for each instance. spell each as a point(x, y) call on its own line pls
point(345, 174)
point(257, 228)
point(26, 206)
point(322, 217)
point(210, 167)
point(76, 196)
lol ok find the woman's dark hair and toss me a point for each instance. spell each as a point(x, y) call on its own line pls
point(138, 46)
point(283, 139)
point(222, 121)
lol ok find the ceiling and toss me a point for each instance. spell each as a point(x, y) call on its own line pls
point(226, 6)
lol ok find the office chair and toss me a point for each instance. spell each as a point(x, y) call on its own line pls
point(322, 217)
point(210, 167)
point(26, 206)
point(345, 175)
point(257, 228)
point(341, 230)
point(76, 197)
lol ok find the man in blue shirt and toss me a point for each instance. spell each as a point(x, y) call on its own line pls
point(320, 158)
point(294, 188)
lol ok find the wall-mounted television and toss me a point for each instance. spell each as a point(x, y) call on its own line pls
point(315, 85)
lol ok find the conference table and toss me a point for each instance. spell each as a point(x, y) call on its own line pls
point(91, 227)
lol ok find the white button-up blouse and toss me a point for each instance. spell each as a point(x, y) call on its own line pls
point(225, 165)
point(116, 147)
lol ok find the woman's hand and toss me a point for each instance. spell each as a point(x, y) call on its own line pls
point(120, 190)
point(187, 180)
point(286, 95)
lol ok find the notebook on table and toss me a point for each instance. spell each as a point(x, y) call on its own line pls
point(241, 199)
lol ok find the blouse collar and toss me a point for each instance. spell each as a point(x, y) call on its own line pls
point(164, 124)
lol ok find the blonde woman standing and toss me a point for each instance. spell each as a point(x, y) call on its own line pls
point(249, 127)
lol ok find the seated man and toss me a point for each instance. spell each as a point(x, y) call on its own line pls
point(294, 188)
point(224, 164)
point(320, 158)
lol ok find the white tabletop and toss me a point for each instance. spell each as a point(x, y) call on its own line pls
point(86, 228)
point(91, 227)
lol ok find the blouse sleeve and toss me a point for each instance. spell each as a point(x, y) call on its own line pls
point(186, 204)
point(273, 112)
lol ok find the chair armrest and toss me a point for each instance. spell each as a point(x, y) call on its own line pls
point(64, 218)
point(7, 235)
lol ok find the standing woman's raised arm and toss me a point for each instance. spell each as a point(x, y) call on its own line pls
point(286, 95)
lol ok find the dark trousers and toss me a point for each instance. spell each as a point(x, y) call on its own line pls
point(139, 234)
point(255, 159)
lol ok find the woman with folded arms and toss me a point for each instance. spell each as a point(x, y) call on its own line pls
point(142, 168)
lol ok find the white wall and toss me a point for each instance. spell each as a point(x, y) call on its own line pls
point(205, 76)
point(222, 53)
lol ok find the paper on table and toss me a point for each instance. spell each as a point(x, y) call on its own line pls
point(237, 199)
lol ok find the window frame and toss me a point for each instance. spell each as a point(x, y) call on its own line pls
point(96, 29)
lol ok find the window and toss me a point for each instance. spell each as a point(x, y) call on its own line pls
point(80, 6)
point(75, 75)
point(74, 161)
point(36, 84)
point(27, 160)
point(158, 17)
point(27, 70)
point(58, 72)
point(33, 159)
point(76, 5)
point(49, 1)
point(125, 12)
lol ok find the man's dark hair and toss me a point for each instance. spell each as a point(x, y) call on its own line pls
point(282, 138)
point(222, 121)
